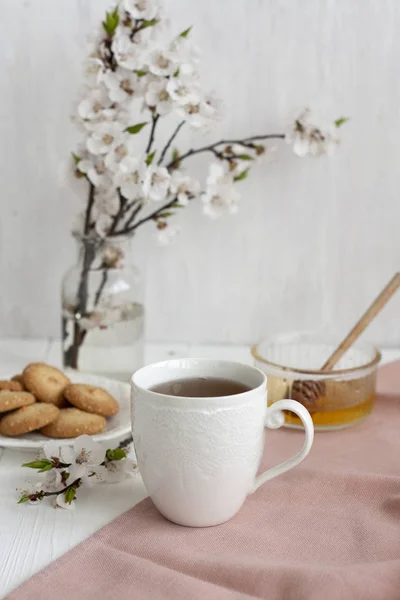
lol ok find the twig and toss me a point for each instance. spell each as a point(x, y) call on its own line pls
point(212, 147)
point(138, 27)
point(153, 128)
point(104, 278)
point(171, 139)
point(150, 217)
point(133, 215)
point(89, 209)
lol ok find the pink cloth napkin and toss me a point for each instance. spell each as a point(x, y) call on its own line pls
point(328, 530)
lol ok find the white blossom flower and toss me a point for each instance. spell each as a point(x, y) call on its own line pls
point(212, 107)
point(52, 480)
point(126, 53)
point(156, 183)
point(113, 256)
point(305, 138)
point(117, 470)
point(220, 196)
point(93, 69)
point(31, 490)
point(167, 233)
point(185, 55)
point(193, 114)
point(183, 91)
point(121, 158)
point(183, 187)
point(160, 63)
point(158, 97)
point(131, 181)
point(51, 450)
point(121, 84)
point(95, 169)
point(103, 136)
point(60, 501)
point(84, 457)
point(141, 9)
point(96, 105)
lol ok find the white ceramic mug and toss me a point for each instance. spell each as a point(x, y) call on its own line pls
point(199, 457)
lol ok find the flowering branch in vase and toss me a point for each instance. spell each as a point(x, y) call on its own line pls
point(128, 72)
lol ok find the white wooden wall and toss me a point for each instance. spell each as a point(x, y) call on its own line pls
point(314, 240)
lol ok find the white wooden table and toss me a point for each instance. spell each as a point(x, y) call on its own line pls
point(33, 536)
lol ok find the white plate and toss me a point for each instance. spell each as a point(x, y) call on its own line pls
point(117, 427)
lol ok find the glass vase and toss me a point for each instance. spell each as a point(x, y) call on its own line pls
point(102, 310)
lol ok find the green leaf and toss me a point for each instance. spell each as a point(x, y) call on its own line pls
point(165, 215)
point(150, 158)
point(23, 499)
point(76, 158)
point(175, 154)
point(245, 157)
point(116, 454)
point(339, 122)
point(69, 495)
point(178, 205)
point(44, 465)
point(149, 23)
point(140, 73)
point(135, 128)
point(111, 21)
point(46, 468)
point(185, 33)
point(176, 74)
point(242, 175)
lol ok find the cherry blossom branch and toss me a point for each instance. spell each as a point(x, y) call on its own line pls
point(153, 128)
point(151, 217)
point(247, 142)
point(171, 139)
point(37, 496)
point(133, 215)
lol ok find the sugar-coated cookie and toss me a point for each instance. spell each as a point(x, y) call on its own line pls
point(91, 399)
point(12, 386)
point(28, 418)
point(72, 422)
point(46, 383)
point(11, 400)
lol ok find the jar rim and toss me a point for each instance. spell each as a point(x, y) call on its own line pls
point(282, 337)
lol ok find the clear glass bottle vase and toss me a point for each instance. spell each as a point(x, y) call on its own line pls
point(102, 310)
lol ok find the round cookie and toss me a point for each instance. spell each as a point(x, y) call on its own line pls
point(46, 383)
point(92, 399)
point(19, 378)
point(12, 400)
point(12, 386)
point(72, 422)
point(28, 418)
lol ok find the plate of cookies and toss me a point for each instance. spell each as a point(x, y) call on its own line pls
point(43, 403)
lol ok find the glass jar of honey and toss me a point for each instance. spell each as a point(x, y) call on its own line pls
point(335, 399)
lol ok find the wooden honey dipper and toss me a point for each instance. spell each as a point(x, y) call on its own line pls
point(307, 391)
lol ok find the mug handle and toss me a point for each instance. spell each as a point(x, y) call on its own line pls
point(275, 419)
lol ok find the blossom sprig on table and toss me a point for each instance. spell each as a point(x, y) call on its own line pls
point(69, 468)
